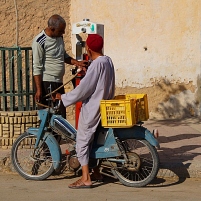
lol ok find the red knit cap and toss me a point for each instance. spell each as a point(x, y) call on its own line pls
point(94, 42)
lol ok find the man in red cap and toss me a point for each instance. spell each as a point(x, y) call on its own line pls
point(98, 84)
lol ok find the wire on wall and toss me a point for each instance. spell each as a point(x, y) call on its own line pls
point(16, 14)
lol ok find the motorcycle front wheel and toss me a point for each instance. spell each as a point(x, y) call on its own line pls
point(30, 163)
point(142, 166)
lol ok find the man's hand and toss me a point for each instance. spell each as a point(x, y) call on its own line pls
point(82, 65)
point(56, 96)
point(38, 96)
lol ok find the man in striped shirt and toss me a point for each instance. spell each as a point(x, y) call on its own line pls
point(49, 58)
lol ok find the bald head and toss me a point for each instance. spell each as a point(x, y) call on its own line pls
point(56, 26)
point(55, 21)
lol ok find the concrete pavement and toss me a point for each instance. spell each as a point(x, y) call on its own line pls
point(180, 152)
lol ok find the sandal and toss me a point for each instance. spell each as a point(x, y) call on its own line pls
point(79, 184)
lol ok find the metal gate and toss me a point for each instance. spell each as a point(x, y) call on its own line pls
point(16, 79)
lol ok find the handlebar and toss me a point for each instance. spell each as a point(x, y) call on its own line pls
point(56, 107)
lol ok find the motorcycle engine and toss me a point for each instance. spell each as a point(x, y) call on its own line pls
point(74, 163)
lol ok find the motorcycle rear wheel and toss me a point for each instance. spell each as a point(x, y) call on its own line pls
point(143, 164)
point(31, 166)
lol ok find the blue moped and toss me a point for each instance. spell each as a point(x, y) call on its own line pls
point(127, 154)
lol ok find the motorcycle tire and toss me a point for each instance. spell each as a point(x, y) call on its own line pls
point(142, 166)
point(31, 166)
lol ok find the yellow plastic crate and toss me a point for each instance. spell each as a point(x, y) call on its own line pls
point(141, 105)
point(118, 113)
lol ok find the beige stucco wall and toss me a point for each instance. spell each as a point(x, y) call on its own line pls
point(155, 45)
point(28, 18)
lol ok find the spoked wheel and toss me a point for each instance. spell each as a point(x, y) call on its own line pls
point(142, 166)
point(29, 163)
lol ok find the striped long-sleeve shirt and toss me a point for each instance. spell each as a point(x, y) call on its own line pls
point(48, 57)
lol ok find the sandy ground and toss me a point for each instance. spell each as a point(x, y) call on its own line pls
point(13, 187)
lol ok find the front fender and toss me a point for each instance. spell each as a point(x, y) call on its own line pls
point(136, 132)
point(52, 144)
